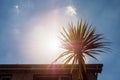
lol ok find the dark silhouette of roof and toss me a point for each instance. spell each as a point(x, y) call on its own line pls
point(58, 68)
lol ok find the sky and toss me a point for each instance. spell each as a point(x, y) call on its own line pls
point(29, 30)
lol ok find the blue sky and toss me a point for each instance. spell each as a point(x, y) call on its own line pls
point(28, 30)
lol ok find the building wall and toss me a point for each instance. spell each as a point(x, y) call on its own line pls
point(22, 76)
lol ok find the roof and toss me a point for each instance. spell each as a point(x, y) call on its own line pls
point(46, 67)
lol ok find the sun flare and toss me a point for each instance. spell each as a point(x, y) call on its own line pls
point(41, 38)
point(41, 42)
point(53, 44)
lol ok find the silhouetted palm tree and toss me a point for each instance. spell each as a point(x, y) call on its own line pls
point(79, 41)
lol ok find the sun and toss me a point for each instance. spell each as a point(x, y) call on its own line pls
point(53, 44)
point(41, 41)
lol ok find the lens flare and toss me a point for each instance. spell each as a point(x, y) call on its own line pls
point(53, 44)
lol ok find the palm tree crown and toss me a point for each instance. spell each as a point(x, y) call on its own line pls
point(79, 41)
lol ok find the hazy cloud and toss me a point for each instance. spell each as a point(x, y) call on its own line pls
point(71, 11)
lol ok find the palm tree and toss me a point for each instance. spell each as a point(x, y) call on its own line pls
point(79, 41)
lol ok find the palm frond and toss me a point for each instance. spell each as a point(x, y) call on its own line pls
point(61, 55)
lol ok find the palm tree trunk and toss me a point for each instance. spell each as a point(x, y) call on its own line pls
point(81, 68)
point(81, 72)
